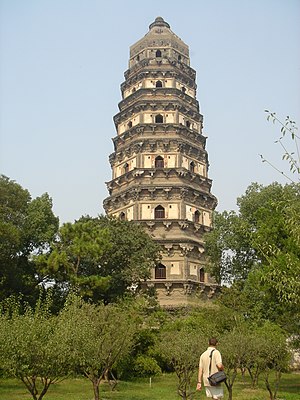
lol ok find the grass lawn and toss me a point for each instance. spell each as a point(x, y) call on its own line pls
point(162, 388)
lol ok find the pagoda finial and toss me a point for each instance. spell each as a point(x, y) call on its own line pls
point(159, 21)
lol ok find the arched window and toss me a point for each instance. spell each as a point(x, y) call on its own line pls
point(159, 119)
point(192, 166)
point(183, 89)
point(202, 275)
point(159, 212)
point(158, 84)
point(158, 53)
point(133, 90)
point(160, 272)
point(137, 58)
point(197, 216)
point(122, 216)
point(188, 124)
point(159, 162)
point(179, 57)
point(126, 168)
point(129, 124)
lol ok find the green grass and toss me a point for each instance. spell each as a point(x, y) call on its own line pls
point(162, 388)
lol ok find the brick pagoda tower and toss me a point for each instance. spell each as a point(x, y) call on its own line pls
point(159, 164)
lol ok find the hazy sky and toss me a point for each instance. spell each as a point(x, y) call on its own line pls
point(62, 63)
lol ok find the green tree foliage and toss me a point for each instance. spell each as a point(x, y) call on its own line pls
point(74, 258)
point(257, 349)
point(230, 258)
point(145, 366)
point(258, 249)
point(26, 227)
point(104, 258)
point(181, 345)
point(40, 348)
point(33, 348)
point(144, 360)
point(100, 335)
point(234, 349)
point(273, 355)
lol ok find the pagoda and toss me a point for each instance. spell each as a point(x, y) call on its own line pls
point(160, 164)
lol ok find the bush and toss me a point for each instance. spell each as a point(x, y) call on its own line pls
point(145, 366)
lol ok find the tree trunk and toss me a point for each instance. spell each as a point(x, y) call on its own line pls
point(112, 383)
point(96, 390)
point(229, 387)
point(46, 383)
point(43, 392)
point(229, 383)
point(33, 395)
point(30, 383)
point(254, 376)
point(278, 377)
point(106, 375)
point(273, 396)
point(268, 386)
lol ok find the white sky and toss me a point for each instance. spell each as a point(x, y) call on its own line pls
point(62, 63)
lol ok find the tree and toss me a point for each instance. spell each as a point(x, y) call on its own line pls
point(33, 348)
point(104, 258)
point(234, 348)
point(74, 259)
point(257, 348)
point(229, 249)
point(273, 355)
point(26, 227)
point(143, 360)
point(181, 345)
point(258, 249)
point(100, 335)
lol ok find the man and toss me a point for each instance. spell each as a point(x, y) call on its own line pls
point(215, 392)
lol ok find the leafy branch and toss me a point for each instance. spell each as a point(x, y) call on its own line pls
point(287, 127)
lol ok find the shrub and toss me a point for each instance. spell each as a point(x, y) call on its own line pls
point(145, 366)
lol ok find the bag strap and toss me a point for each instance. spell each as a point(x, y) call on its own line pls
point(210, 356)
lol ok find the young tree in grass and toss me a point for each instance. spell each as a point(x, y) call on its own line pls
point(181, 347)
point(254, 362)
point(234, 349)
point(275, 356)
point(259, 349)
point(33, 348)
point(100, 335)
